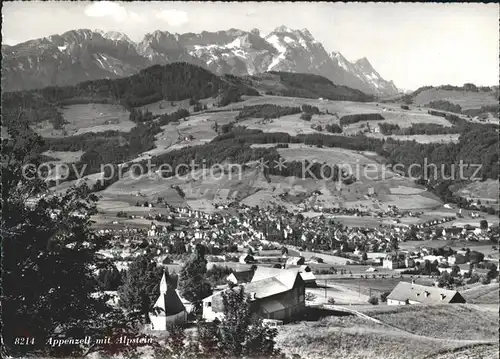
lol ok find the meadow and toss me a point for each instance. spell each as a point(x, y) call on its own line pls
point(354, 337)
point(88, 118)
point(439, 321)
point(466, 100)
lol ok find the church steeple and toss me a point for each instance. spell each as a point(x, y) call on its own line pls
point(163, 284)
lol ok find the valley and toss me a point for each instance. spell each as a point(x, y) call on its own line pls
point(237, 176)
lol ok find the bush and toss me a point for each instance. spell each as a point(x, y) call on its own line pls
point(310, 109)
point(383, 296)
point(333, 128)
point(373, 300)
point(485, 280)
point(331, 300)
point(445, 106)
point(306, 116)
point(310, 297)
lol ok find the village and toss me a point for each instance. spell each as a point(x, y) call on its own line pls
point(287, 261)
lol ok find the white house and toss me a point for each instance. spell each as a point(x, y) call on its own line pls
point(410, 293)
point(390, 262)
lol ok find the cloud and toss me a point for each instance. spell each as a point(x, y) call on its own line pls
point(173, 17)
point(113, 10)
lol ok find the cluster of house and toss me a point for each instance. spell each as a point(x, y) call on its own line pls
point(392, 211)
point(275, 294)
point(241, 227)
point(446, 263)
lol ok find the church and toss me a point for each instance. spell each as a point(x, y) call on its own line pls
point(168, 309)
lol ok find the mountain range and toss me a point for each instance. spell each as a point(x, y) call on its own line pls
point(80, 55)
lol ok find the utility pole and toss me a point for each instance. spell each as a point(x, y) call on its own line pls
point(326, 286)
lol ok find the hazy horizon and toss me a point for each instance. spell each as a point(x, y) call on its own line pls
point(412, 44)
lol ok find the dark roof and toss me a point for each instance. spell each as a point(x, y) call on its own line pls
point(243, 276)
point(269, 282)
point(168, 303)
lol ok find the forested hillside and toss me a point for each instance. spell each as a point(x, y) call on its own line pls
point(305, 86)
point(177, 81)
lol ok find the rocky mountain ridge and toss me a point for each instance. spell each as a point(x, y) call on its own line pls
point(80, 55)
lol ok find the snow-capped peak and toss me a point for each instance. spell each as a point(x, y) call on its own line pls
point(283, 28)
point(116, 36)
point(364, 63)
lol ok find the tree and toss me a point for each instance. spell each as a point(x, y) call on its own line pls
point(394, 244)
point(373, 300)
point(383, 296)
point(110, 279)
point(476, 257)
point(193, 284)
point(49, 258)
point(141, 285)
point(364, 256)
point(427, 267)
point(215, 127)
point(306, 116)
point(483, 224)
point(445, 280)
point(208, 339)
point(492, 273)
point(241, 334)
point(284, 250)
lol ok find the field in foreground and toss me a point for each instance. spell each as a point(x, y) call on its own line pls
point(483, 294)
point(354, 337)
point(460, 322)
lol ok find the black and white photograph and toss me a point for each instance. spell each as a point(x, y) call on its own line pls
point(223, 180)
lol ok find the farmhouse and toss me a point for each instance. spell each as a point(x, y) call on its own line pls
point(168, 309)
point(410, 293)
point(305, 272)
point(391, 262)
point(272, 296)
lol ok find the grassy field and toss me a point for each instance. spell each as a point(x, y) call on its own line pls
point(64, 156)
point(88, 118)
point(165, 106)
point(473, 352)
point(290, 124)
point(252, 188)
point(486, 191)
point(466, 100)
point(482, 294)
point(353, 337)
point(445, 321)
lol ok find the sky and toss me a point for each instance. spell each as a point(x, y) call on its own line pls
point(413, 44)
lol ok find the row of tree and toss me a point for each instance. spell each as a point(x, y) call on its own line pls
point(417, 129)
point(350, 119)
point(266, 111)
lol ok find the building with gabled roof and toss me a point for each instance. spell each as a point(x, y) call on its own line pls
point(240, 277)
point(279, 295)
point(411, 293)
point(168, 308)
